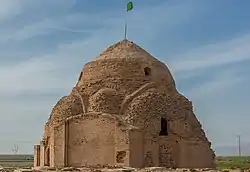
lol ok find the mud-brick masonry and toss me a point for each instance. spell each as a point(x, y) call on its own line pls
point(124, 110)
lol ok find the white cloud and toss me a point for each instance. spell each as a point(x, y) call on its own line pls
point(221, 104)
point(213, 55)
point(42, 73)
point(221, 96)
point(10, 8)
point(220, 82)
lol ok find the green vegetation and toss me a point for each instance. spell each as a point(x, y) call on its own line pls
point(229, 162)
point(16, 163)
point(16, 160)
point(233, 162)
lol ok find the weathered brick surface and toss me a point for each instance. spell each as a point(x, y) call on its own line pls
point(59, 145)
point(37, 155)
point(116, 113)
point(92, 139)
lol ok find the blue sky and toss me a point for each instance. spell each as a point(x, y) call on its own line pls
point(45, 43)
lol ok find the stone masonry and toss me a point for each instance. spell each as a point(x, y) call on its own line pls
point(124, 111)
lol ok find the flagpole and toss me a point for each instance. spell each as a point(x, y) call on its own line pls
point(129, 8)
point(125, 30)
point(126, 24)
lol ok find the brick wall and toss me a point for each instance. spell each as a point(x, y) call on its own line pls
point(36, 155)
point(59, 145)
point(194, 154)
point(91, 141)
point(122, 152)
point(136, 149)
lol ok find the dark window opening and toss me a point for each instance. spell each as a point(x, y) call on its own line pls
point(120, 156)
point(80, 77)
point(147, 71)
point(164, 127)
point(185, 125)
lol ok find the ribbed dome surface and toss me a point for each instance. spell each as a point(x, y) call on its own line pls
point(117, 72)
point(125, 61)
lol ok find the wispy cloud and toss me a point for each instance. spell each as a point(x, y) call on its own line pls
point(9, 9)
point(216, 54)
point(215, 78)
point(42, 67)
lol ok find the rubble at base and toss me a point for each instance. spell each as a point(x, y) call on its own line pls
point(121, 169)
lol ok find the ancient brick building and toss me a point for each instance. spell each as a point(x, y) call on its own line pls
point(124, 110)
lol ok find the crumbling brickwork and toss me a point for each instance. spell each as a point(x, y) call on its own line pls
point(37, 155)
point(124, 110)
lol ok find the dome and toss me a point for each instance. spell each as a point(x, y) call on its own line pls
point(116, 73)
point(126, 62)
point(66, 107)
point(105, 100)
point(125, 49)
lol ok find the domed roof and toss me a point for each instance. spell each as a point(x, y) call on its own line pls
point(66, 107)
point(123, 50)
point(126, 61)
point(116, 73)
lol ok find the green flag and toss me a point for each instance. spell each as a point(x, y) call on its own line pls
point(129, 6)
